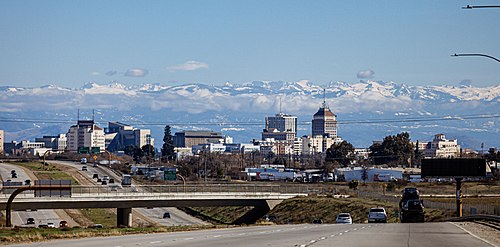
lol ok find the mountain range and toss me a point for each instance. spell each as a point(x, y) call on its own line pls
point(366, 110)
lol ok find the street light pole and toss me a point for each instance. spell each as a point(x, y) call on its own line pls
point(480, 6)
point(475, 55)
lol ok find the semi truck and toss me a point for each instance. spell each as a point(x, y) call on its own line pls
point(126, 180)
point(411, 208)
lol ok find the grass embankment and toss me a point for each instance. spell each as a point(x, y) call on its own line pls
point(218, 215)
point(48, 172)
point(306, 209)
point(18, 235)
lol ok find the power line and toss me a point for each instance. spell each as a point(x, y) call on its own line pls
point(251, 123)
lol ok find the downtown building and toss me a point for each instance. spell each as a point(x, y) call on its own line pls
point(119, 135)
point(324, 132)
point(85, 137)
point(280, 127)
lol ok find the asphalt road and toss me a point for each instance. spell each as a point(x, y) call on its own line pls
point(441, 234)
point(19, 217)
point(177, 217)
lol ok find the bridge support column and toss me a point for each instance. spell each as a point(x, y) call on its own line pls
point(257, 212)
point(124, 217)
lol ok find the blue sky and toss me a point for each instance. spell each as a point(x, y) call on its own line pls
point(69, 43)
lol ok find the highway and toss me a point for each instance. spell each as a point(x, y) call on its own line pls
point(177, 217)
point(441, 234)
point(41, 216)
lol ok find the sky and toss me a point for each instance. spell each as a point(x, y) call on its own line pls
point(70, 43)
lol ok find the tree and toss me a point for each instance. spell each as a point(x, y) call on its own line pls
point(148, 150)
point(394, 150)
point(167, 150)
point(341, 152)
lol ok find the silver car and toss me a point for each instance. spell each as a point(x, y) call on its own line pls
point(377, 215)
point(344, 218)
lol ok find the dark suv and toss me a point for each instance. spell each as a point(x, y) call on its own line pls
point(30, 221)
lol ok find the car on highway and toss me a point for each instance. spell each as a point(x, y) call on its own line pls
point(95, 175)
point(51, 225)
point(111, 181)
point(83, 161)
point(63, 224)
point(344, 218)
point(377, 215)
point(30, 221)
point(166, 215)
point(84, 168)
point(105, 178)
point(43, 226)
point(104, 182)
point(14, 175)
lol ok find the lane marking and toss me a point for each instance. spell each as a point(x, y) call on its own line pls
point(155, 242)
point(216, 236)
point(463, 229)
point(188, 238)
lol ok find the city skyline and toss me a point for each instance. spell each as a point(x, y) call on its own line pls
point(177, 42)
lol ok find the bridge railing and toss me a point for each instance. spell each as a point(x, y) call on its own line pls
point(138, 190)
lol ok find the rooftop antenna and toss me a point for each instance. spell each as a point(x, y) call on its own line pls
point(280, 105)
point(92, 115)
point(324, 98)
point(78, 117)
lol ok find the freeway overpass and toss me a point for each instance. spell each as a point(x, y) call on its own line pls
point(261, 197)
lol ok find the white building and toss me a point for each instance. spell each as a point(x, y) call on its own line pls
point(440, 147)
point(56, 143)
point(2, 140)
point(85, 137)
point(318, 144)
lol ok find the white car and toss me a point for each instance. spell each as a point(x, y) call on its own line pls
point(51, 225)
point(344, 218)
point(377, 215)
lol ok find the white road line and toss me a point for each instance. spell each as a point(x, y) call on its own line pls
point(155, 242)
point(463, 229)
point(216, 236)
point(188, 238)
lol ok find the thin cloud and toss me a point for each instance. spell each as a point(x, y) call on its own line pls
point(95, 73)
point(136, 72)
point(365, 74)
point(188, 66)
point(111, 73)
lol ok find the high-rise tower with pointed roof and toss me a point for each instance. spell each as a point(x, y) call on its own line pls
point(324, 122)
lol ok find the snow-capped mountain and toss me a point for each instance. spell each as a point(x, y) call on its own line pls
point(239, 109)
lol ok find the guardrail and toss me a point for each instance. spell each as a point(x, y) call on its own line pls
point(476, 217)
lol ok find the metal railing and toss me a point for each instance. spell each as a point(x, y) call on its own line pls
point(199, 189)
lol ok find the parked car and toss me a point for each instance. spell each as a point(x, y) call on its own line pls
point(30, 221)
point(344, 218)
point(317, 221)
point(43, 226)
point(377, 215)
point(97, 226)
point(84, 168)
point(166, 215)
point(111, 181)
point(95, 175)
point(51, 225)
point(63, 224)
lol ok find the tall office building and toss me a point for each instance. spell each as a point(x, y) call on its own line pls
point(120, 135)
point(85, 137)
point(324, 122)
point(281, 127)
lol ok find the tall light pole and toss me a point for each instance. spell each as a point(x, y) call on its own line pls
point(480, 6)
point(475, 55)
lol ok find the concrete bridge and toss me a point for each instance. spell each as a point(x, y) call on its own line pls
point(261, 197)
